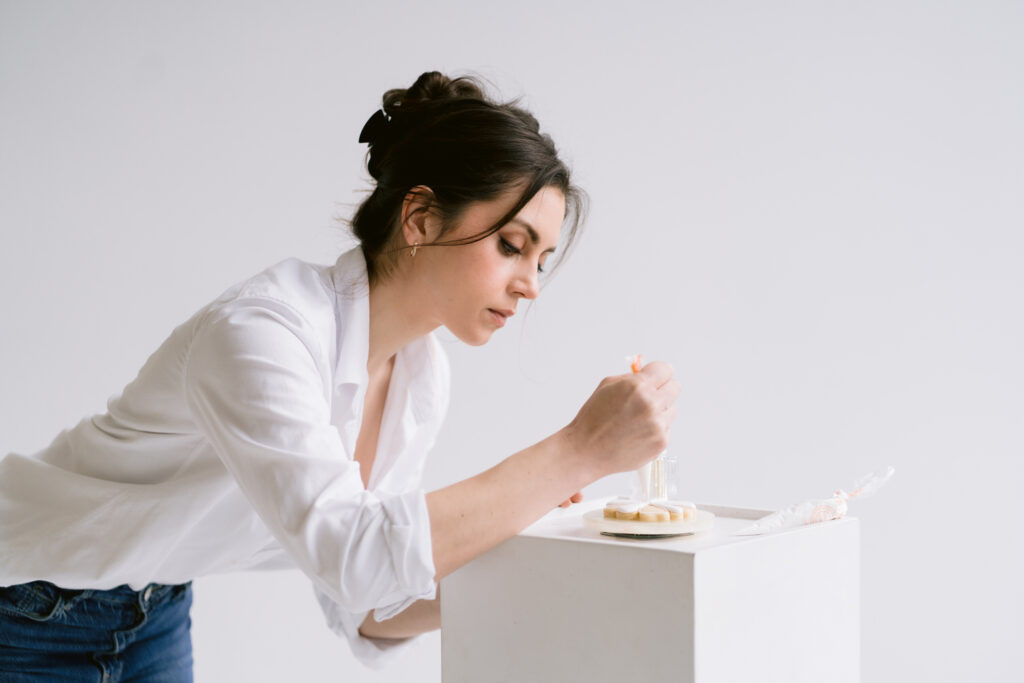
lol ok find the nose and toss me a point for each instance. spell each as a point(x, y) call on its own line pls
point(525, 284)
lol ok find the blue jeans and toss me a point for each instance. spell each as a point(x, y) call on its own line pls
point(49, 633)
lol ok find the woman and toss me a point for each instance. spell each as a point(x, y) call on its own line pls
point(286, 423)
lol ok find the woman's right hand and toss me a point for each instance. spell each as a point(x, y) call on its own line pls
point(625, 422)
point(623, 425)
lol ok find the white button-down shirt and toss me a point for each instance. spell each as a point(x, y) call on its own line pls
point(234, 449)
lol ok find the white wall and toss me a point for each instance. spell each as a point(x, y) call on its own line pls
point(813, 210)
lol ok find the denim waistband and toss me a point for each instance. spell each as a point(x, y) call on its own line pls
point(151, 594)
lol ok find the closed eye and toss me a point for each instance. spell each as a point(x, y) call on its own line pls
point(508, 248)
point(511, 250)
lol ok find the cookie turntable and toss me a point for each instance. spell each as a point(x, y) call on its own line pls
point(623, 528)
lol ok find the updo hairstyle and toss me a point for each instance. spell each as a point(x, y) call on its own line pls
point(447, 135)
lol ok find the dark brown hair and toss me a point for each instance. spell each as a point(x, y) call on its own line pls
point(447, 135)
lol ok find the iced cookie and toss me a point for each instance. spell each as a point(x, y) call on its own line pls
point(624, 510)
point(655, 511)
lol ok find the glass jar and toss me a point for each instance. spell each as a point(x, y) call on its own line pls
point(662, 479)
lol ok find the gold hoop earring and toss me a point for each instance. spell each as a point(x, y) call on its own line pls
point(415, 245)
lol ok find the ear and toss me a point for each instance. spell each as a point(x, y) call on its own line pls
point(418, 224)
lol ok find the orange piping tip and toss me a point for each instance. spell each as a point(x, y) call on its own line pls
point(636, 362)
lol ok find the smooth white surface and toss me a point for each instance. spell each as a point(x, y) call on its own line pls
point(812, 210)
point(785, 607)
point(561, 602)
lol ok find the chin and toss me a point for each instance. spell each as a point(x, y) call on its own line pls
point(473, 337)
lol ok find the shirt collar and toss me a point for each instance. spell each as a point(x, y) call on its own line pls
point(419, 366)
point(352, 302)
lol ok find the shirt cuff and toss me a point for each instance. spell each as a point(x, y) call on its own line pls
point(411, 550)
point(374, 653)
point(411, 554)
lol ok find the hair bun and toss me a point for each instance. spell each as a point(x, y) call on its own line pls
point(431, 86)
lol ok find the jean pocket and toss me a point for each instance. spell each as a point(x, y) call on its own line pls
point(180, 591)
point(37, 600)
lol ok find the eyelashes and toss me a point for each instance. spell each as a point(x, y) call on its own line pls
point(509, 249)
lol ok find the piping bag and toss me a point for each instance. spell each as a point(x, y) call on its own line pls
point(657, 465)
point(819, 510)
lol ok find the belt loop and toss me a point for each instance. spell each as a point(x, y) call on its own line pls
point(146, 593)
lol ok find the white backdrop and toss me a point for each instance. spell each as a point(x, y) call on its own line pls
point(813, 210)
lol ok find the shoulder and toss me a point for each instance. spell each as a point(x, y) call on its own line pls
point(293, 287)
point(293, 281)
point(292, 296)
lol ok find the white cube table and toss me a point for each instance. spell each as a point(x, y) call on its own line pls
point(561, 602)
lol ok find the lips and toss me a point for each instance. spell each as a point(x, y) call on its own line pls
point(500, 316)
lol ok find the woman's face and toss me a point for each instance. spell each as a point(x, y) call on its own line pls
point(473, 289)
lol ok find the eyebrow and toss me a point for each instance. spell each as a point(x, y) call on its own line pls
point(534, 237)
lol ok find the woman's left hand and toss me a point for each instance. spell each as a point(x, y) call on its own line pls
point(574, 498)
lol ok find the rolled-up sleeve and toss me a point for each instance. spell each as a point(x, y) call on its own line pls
point(259, 387)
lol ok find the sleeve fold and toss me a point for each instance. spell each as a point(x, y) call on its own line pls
point(257, 384)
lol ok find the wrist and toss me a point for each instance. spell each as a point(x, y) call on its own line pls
point(581, 466)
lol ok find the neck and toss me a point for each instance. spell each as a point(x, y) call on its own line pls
point(396, 319)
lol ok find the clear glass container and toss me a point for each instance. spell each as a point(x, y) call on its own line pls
point(661, 477)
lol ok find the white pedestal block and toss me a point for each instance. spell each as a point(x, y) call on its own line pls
point(561, 602)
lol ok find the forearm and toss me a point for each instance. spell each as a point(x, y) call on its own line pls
point(419, 617)
point(621, 426)
point(472, 516)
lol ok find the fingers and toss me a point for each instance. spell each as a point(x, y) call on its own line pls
point(667, 418)
point(627, 417)
point(574, 498)
point(662, 386)
point(670, 392)
point(656, 372)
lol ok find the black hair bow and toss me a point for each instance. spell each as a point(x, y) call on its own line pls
point(375, 127)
